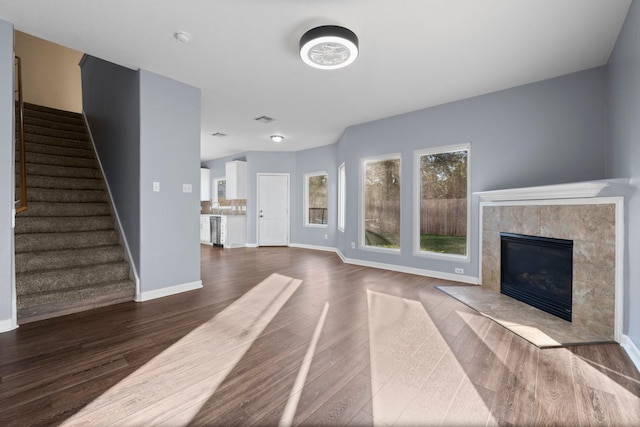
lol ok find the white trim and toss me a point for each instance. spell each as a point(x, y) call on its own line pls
point(619, 243)
point(417, 205)
point(314, 247)
point(632, 350)
point(169, 290)
point(123, 237)
point(361, 201)
point(251, 245)
point(7, 325)
point(574, 190)
point(412, 270)
point(305, 201)
point(342, 196)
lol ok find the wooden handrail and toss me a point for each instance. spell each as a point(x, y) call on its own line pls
point(21, 204)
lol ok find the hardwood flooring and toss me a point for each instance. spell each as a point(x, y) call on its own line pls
point(284, 336)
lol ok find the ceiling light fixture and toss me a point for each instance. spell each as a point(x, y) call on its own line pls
point(277, 138)
point(329, 47)
point(182, 37)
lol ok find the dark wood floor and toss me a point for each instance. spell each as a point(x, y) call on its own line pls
point(292, 336)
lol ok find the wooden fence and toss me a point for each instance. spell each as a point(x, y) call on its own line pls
point(445, 217)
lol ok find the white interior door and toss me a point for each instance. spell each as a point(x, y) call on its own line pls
point(273, 209)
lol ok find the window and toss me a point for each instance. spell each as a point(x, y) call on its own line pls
point(442, 202)
point(220, 192)
point(342, 196)
point(316, 199)
point(381, 203)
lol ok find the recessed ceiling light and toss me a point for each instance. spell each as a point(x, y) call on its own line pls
point(182, 37)
point(277, 138)
point(329, 47)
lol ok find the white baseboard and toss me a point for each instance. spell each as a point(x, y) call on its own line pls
point(314, 247)
point(392, 267)
point(632, 350)
point(7, 325)
point(251, 245)
point(169, 290)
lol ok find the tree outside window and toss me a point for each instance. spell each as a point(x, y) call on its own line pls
point(382, 203)
point(443, 202)
point(316, 199)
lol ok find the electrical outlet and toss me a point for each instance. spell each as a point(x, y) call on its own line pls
point(353, 245)
point(187, 188)
point(326, 236)
point(459, 270)
point(156, 186)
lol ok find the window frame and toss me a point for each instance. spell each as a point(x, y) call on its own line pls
point(361, 204)
point(342, 196)
point(417, 190)
point(306, 198)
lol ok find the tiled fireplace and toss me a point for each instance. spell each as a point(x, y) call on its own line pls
point(592, 223)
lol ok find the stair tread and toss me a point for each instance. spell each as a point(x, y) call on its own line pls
point(68, 255)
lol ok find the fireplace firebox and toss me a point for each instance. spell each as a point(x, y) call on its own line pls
point(538, 271)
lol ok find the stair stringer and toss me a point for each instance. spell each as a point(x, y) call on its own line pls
point(133, 272)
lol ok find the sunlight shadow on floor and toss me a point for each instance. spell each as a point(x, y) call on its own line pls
point(420, 376)
point(296, 391)
point(172, 387)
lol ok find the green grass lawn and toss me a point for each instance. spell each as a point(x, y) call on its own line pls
point(443, 244)
point(374, 239)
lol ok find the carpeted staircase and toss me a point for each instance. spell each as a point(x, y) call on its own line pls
point(68, 252)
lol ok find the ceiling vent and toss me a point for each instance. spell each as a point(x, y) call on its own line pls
point(264, 119)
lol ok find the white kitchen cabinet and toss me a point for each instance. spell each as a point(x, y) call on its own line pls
point(205, 185)
point(236, 175)
point(205, 229)
point(234, 231)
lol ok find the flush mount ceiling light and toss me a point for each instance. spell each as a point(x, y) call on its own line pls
point(277, 138)
point(182, 37)
point(329, 47)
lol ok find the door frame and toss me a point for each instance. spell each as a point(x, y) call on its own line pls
point(259, 175)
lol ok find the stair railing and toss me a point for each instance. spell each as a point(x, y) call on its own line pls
point(21, 203)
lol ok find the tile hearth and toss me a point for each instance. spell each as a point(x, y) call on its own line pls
point(536, 326)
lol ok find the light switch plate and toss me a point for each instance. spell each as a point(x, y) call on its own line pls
point(156, 186)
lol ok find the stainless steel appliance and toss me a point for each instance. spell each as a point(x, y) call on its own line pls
point(216, 230)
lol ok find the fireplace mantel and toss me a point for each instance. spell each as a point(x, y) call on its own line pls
point(575, 190)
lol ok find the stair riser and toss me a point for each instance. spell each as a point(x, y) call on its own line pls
point(56, 142)
point(54, 160)
point(32, 120)
point(66, 209)
point(52, 281)
point(34, 261)
point(25, 225)
point(55, 241)
point(47, 305)
point(33, 148)
point(65, 134)
point(39, 181)
point(30, 108)
point(66, 196)
point(61, 171)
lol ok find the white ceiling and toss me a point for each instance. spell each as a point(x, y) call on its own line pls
point(243, 54)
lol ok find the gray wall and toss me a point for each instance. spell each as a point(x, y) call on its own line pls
point(548, 132)
point(6, 175)
point(146, 129)
point(170, 154)
point(308, 161)
point(111, 103)
point(623, 160)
